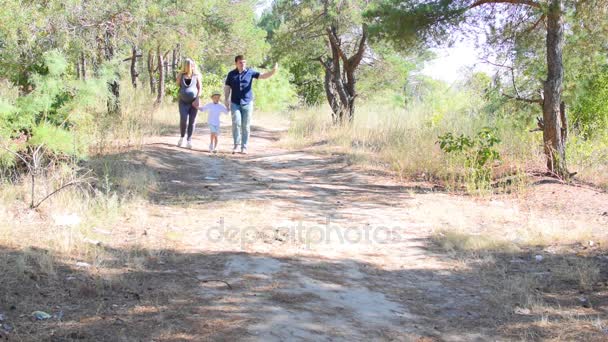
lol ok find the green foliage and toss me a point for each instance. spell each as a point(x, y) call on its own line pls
point(409, 23)
point(307, 77)
point(57, 140)
point(388, 78)
point(54, 111)
point(274, 94)
point(297, 32)
point(478, 152)
point(590, 112)
point(212, 82)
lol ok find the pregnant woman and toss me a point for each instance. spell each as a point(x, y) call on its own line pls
point(189, 82)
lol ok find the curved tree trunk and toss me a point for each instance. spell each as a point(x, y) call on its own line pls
point(340, 76)
point(330, 92)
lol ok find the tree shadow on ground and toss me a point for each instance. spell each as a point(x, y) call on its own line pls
point(166, 295)
point(317, 184)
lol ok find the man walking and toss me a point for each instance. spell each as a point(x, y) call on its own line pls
point(238, 97)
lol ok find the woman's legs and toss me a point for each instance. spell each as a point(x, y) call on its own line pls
point(183, 117)
point(191, 120)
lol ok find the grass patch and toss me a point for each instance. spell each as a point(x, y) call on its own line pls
point(458, 242)
point(405, 140)
point(544, 294)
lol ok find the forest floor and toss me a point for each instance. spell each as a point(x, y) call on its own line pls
point(298, 245)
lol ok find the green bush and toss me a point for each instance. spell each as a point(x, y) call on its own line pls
point(478, 152)
point(590, 111)
point(54, 112)
point(274, 94)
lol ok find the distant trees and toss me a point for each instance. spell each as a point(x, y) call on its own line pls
point(332, 35)
point(60, 59)
point(407, 22)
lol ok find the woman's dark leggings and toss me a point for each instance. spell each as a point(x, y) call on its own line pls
point(187, 118)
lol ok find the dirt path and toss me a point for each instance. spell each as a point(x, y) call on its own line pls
point(315, 249)
point(297, 245)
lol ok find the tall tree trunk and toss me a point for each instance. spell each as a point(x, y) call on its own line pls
point(166, 63)
point(330, 92)
point(350, 89)
point(78, 68)
point(114, 85)
point(161, 77)
point(134, 73)
point(151, 71)
point(83, 66)
point(174, 63)
point(554, 143)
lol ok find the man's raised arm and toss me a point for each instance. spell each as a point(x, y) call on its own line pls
point(269, 73)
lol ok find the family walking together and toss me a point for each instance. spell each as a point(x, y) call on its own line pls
point(238, 100)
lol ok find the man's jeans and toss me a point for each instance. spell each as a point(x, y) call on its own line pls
point(241, 122)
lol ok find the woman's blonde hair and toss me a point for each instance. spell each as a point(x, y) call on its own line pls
point(189, 68)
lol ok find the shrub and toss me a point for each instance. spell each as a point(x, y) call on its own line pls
point(478, 152)
point(53, 112)
point(590, 111)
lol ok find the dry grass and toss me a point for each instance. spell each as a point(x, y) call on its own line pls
point(405, 141)
point(541, 297)
point(590, 159)
point(140, 118)
point(38, 253)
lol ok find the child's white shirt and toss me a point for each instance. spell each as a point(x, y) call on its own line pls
point(214, 111)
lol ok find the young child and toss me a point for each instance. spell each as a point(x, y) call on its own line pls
point(214, 110)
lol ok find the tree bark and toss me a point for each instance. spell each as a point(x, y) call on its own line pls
point(174, 63)
point(114, 85)
point(134, 73)
point(161, 77)
point(342, 84)
point(166, 63)
point(78, 68)
point(83, 66)
point(554, 142)
point(151, 71)
point(330, 91)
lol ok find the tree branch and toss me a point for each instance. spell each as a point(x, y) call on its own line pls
point(71, 183)
point(336, 45)
point(130, 58)
point(356, 58)
point(515, 2)
point(523, 99)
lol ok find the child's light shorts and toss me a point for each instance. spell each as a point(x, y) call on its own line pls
point(214, 129)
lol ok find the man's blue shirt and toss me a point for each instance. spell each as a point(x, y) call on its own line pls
point(241, 85)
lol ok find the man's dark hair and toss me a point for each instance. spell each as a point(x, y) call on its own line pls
point(238, 58)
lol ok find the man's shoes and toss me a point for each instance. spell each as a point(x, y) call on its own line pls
point(179, 142)
point(234, 149)
point(189, 144)
point(244, 150)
